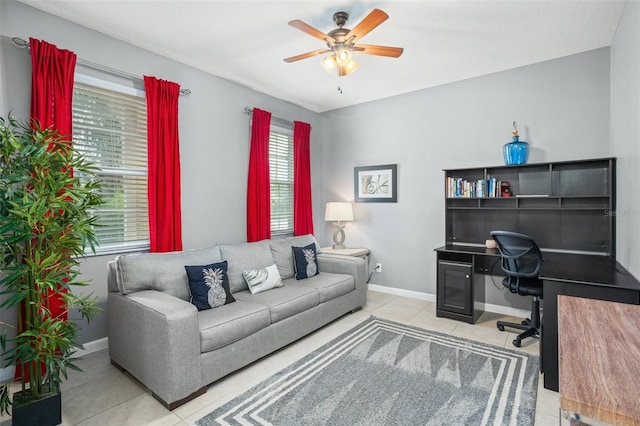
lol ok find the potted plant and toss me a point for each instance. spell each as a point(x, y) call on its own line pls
point(48, 194)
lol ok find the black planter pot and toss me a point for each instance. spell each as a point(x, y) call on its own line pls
point(43, 412)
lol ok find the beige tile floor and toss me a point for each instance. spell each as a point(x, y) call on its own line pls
point(102, 395)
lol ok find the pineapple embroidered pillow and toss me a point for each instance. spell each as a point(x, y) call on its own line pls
point(262, 279)
point(209, 285)
point(305, 261)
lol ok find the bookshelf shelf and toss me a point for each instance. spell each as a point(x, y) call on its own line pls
point(566, 205)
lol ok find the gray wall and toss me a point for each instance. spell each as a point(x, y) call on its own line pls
point(625, 133)
point(6, 316)
point(3, 82)
point(214, 131)
point(562, 110)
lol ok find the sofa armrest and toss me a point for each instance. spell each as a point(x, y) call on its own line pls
point(341, 264)
point(112, 282)
point(155, 337)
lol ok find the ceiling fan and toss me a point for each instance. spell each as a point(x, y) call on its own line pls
point(341, 42)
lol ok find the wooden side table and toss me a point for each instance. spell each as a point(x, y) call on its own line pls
point(355, 252)
point(599, 362)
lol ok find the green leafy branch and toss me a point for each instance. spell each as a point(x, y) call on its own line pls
point(46, 224)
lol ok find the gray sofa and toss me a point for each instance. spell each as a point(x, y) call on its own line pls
point(162, 340)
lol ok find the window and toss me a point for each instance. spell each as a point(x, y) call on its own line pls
point(110, 129)
point(281, 177)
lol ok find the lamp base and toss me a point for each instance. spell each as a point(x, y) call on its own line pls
point(338, 247)
point(338, 237)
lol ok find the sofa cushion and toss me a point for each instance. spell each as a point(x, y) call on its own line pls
point(209, 285)
point(262, 279)
point(282, 254)
point(244, 256)
point(305, 261)
point(230, 323)
point(283, 302)
point(328, 285)
point(161, 271)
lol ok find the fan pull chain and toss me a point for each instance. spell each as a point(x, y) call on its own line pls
point(341, 82)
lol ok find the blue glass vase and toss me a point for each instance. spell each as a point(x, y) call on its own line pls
point(515, 152)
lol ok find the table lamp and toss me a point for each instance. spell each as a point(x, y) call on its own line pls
point(337, 212)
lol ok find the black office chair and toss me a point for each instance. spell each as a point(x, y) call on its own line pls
point(521, 259)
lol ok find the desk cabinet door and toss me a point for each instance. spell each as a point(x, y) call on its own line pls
point(454, 287)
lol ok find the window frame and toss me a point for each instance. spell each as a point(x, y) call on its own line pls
point(121, 246)
point(282, 127)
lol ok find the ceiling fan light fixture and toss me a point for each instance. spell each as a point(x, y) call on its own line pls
point(329, 63)
point(351, 66)
point(342, 56)
point(341, 42)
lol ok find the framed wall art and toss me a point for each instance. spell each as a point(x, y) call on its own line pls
point(376, 184)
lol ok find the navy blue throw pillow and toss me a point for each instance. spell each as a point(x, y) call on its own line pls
point(209, 285)
point(305, 261)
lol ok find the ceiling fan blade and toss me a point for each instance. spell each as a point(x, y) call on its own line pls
point(306, 28)
point(306, 55)
point(370, 49)
point(372, 20)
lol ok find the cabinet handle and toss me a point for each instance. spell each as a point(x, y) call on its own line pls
point(466, 276)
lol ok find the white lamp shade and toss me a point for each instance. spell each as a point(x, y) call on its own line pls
point(338, 212)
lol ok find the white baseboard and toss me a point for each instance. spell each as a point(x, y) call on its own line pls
point(7, 373)
point(93, 346)
point(401, 292)
point(497, 309)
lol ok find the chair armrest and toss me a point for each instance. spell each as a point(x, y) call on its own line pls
point(155, 337)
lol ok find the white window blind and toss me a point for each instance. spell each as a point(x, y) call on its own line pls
point(110, 129)
point(281, 177)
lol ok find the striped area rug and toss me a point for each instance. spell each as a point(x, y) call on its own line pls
point(385, 373)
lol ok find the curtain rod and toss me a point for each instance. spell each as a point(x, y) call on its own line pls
point(21, 43)
point(276, 120)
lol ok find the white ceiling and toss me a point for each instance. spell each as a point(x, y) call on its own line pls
point(443, 41)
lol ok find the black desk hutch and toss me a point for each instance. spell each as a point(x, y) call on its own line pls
point(567, 207)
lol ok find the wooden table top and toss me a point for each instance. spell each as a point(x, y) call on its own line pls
point(600, 359)
point(349, 251)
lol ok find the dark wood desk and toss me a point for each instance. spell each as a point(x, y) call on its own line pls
point(581, 275)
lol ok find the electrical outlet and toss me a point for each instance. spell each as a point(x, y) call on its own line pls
point(378, 267)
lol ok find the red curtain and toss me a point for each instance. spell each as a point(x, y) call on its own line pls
point(165, 214)
point(52, 72)
point(302, 208)
point(258, 187)
point(51, 85)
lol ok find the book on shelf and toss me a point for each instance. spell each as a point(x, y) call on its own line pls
point(457, 187)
